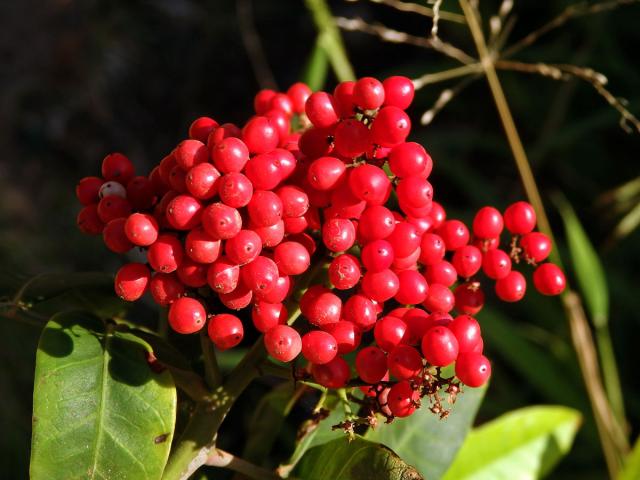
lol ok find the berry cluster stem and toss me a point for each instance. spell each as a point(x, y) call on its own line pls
point(611, 435)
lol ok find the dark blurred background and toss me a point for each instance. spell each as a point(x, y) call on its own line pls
point(81, 79)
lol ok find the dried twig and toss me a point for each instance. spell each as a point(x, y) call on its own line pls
point(436, 18)
point(419, 9)
point(436, 77)
point(445, 97)
point(395, 36)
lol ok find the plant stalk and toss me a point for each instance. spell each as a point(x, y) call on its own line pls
point(608, 428)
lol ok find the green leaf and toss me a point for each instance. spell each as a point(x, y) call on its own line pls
point(631, 469)
point(316, 68)
point(426, 441)
point(523, 444)
point(99, 411)
point(358, 459)
point(586, 264)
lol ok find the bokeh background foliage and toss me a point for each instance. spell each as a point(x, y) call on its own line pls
point(80, 79)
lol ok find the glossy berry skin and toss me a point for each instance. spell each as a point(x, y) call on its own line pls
point(223, 275)
point(368, 93)
point(442, 272)
point(390, 127)
point(235, 189)
point(225, 330)
point(165, 254)
point(240, 298)
point(192, 274)
point(116, 166)
point(361, 311)
point(202, 181)
point(413, 288)
point(141, 229)
point(187, 315)
point(469, 298)
point(467, 331)
point(319, 347)
point(283, 343)
point(418, 323)
point(549, 279)
point(536, 247)
point(298, 93)
point(230, 155)
point(377, 255)
point(244, 247)
point(404, 362)
point(320, 110)
point(344, 271)
point(487, 223)
point(334, 374)
point(114, 236)
point(398, 91)
point(295, 202)
point(221, 221)
point(165, 288)
point(201, 247)
point(454, 233)
point(321, 307)
point(292, 258)
point(87, 190)
point(325, 173)
point(380, 286)
point(338, 234)
point(371, 364)
point(132, 281)
point(278, 293)
point(370, 183)
point(260, 274)
point(404, 239)
point(345, 334)
point(389, 332)
point(351, 138)
point(439, 299)
point(140, 193)
point(260, 135)
point(376, 223)
point(201, 127)
point(440, 346)
point(520, 218)
point(266, 315)
point(473, 369)
point(512, 287)
point(343, 99)
point(415, 192)
point(184, 212)
point(189, 153)
point(432, 249)
point(265, 208)
point(496, 264)
point(112, 207)
point(262, 100)
point(409, 159)
point(402, 399)
point(467, 261)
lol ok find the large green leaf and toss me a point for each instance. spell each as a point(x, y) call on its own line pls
point(99, 411)
point(632, 467)
point(358, 459)
point(523, 444)
point(426, 441)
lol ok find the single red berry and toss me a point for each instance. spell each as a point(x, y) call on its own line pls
point(187, 315)
point(114, 236)
point(178, 179)
point(377, 255)
point(201, 247)
point(432, 249)
point(371, 364)
point(280, 120)
point(408, 159)
point(223, 275)
point(230, 155)
point(292, 258)
point(225, 330)
point(368, 93)
point(473, 369)
point(184, 212)
point(402, 399)
point(262, 100)
point(271, 235)
point(321, 306)
point(346, 335)
point(549, 279)
point(442, 272)
point(343, 99)
point(512, 287)
point(240, 298)
point(165, 288)
point(469, 298)
point(467, 261)
point(320, 110)
point(390, 127)
point(467, 331)
point(319, 347)
point(202, 181)
point(283, 343)
point(413, 288)
point(370, 183)
point(263, 171)
point(281, 102)
point(278, 293)
point(221, 221)
point(404, 239)
point(389, 332)
point(536, 246)
point(360, 310)
point(487, 223)
point(201, 127)
point(520, 218)
point(439, 299)
point(415, 192)
point(189, 153)
point(260, 274)
point(112, 207)
point(351, 138)
point(316, 142)
point(295, 202)
point(116, 166)
point(165, 254)
point(192, 274)
point(334, 374)
point(496, 264)
point(398, 92)
point(454, 233)
point(260, 135)
point(298, 93)
point(344, 272)
point(418, 323)
point(440, 346)
point(338, 234)
point(264, 208)
point(141, 229)
point(404, 362)
point(376, 223)
point(87, 190)
point(380, 286)
point(141, 192)
point(112, 188)
point(325, 173)
point(266, 315)
point(132, 281)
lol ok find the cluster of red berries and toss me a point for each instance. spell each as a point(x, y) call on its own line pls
point(233, 215)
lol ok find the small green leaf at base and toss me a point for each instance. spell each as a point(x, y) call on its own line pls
point(523, 444)
point(358, 459)
point(99, 411)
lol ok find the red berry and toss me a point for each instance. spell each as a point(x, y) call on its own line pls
point(432, 249)
point(320, 110)
point(223, 275)
point(334, 374)
point(260, 135)
point(238, 299)
point(389, 332)
point(413, 288)
point(338, 234)
point(361, 311)
point(202, 181)
point(344, 272)
point(278, 293)
point(189, 153)
point(271, 235)
point(116, 166)
point(439, 299)
point(487, 223)
point(221, 221)
point(230, 155)
point(132, 281)
point(371, 364)
point(201, 247)
point(112, 207)
point(404, 239)
point(201, 128)
point(165, 254)
point(404, 362)
point(415, 192)
point(440, 346)
point(536, 247)
point(512, 287)
point(469, 298)
point(496, 264)
point(390, 127)
point(402, 399)
point(467, 261)
point(266, 315)
point(520, 218)
point(319, 347)
point(316, 142)
point(343, 99)
point(376, 223)
point(377, 255)
point(454, 233)
point(473, 369)
point(141, 229)
point(262, 100)
point(260, 274)
point(187, 315)
point(407, 159)
point(352, 138)
point(225, 330)
point(263, 172)
point(442, 272)
point(165, 288)
point(184, 212)
point(467, 331)
point(192, 274)
point(283, 343)
point(87, 190)
point(370, 183)
point(325, 173)
point(321, 307)
point(292, 258)
point(549, 279)
point(298, 94)
point(398, 92)
point(115, 238)
point(346, 335)
point(368, 93)
point(417, 325)
point(380, 286)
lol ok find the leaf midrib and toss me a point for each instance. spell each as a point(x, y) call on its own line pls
point(101, 407)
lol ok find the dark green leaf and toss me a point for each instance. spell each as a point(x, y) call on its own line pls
point(316, 69)
point(631, 469)
point(426, 441)
point(523, 444)
point(99, 410)
point(359, 459)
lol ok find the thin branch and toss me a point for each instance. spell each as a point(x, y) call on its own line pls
point(253, 45)
point(220, 458)
point(395, 36)
point(497, 22)
point(436, 18)
point(419, 9)
point(445, 97)
point(572, 11)
point(436, 77)
point(211, 368)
